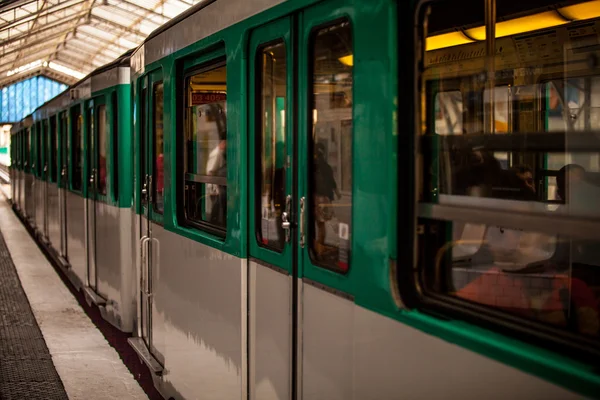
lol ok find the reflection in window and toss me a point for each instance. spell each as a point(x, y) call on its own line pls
point(115, 146)
point(53, 154)
point(205, 175)
point(76, 149)
point(331, 147)
point(64, 135)
point(529, 145)
point(272, 145)
point(159, 161)
point(38, 149)
point(102, 149)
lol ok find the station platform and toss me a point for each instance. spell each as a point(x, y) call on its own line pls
point(49, 346)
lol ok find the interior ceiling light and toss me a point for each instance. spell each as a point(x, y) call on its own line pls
point(546, 19)
point(65, 70)
point(347, 60)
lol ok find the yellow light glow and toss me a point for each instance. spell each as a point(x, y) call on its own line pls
point(587, 10)
point(547, 19)
point(515, 26)
point(446, 40)
point(347, 60)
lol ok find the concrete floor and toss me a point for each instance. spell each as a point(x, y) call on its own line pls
point(88, 366)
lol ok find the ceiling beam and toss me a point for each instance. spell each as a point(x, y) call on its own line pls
point(120, 26)
point(32, 28)
point(51, 10)
point(145, 10)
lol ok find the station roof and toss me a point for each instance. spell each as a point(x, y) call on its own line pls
point(67, 39)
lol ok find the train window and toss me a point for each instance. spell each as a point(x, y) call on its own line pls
point(38, 149)
point(64, 143)
point(272, 145)
point(159, 160)
point(330, 176)
point(53, 150)
point(510, 166)
point(102, 149)
point(205, 155)
point(28, 156)
point(115, 146)
point(76, 144)
point(143, 150)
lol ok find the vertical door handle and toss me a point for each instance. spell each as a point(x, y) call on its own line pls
point(301, 222)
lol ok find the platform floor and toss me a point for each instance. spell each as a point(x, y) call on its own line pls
point(49, 348)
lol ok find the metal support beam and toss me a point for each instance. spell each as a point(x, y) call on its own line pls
point(139, 7)
point(51, 10)
point(119, 26)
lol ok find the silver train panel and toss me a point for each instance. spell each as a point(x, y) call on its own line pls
point(210, 19)
point(40, 202)
point(350, 352)
point(53, 216)
point(76, 235)
point(197, 318)
point(29, 196)
point(270, 333)
point(113, 264)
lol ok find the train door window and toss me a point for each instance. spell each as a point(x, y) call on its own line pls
point(92, 144)
point(143, 150)
point(53, 153)
point(28, 156)
point(272, 145)
point(38, 149)
point(159, 161)
point(76, 145)
point(205, 153)
point(488, 243)
point(115, 146)
point(330, 174)
point(64, 142)
point(101, 152)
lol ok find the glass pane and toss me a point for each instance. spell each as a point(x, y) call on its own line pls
point(272, 146)
point(159, 186)
point(115, 146)
point(102, 149)
point(143, 149)
point(206, 202)
point(331, 170)
point(77, 149)
point(54, 148)
point(92, 144)
point(529, 146)
point(206, 143)
point(38, 149)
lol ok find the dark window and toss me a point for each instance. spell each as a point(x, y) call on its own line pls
point(38, 149)
point(28, 155)
point(76, 144)
point(143, 149)
point(115, 146)
point(205, 155)
point(271, 145)
point(102, 149)
point(330, 174)
point(64, 144)
point(159, 160)
point(92, 136)
point(53, 150)
point(510, 167)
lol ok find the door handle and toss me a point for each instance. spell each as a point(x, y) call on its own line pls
point(286, 217)
point(301, 222)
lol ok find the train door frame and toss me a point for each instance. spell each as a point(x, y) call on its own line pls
point(272, 270)
point(149, 245)
point(301, 29)
point(93, 198)
point(91, 283)
point(46, 175)
point(63, 184)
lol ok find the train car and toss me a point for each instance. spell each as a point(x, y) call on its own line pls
point(78, 145)
point(344, 199)
point(273, 154)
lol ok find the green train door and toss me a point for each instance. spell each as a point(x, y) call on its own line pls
point(91, 283)
point(151, 195)
point(300, 201)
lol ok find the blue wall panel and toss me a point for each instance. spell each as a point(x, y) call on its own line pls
point(22, 98)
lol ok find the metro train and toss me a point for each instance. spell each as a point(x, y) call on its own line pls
point(337, 199)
